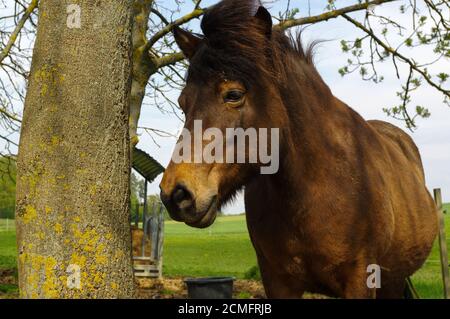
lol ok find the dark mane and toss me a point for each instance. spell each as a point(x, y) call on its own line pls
point(235, 44)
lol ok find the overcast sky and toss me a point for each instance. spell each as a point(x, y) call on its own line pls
point(367, 98)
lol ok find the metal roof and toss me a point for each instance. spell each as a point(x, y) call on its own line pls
point(146, 165)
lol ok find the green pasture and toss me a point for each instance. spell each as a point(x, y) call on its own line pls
point(222, 249)
point(225, 249)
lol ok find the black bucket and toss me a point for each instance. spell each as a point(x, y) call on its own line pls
point(210, 287)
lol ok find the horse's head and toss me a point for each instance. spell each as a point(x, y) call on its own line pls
point(229, 86)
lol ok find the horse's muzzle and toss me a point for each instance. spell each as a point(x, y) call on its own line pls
point(184, 207)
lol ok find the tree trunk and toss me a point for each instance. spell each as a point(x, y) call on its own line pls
point(143, 66)
point(72, 213)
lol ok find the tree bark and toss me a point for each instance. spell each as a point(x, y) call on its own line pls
point(143, 66)
point(72, 205)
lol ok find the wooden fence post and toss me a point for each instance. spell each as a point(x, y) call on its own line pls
point(442, 243)
point(136, 217)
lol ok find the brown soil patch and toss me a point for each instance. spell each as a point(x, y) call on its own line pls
point(175, 288)
point(165, 288)
point(7, 277)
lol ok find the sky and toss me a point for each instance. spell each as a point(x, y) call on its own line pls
point(367, 98)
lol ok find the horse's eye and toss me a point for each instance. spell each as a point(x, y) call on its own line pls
point(233, 96)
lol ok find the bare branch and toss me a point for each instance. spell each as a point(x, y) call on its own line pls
point(10, 116)
point(161, 33)
point(169, 59)
point(328, 15)
point(176, 57)
point(395, 53)
point(4, 53)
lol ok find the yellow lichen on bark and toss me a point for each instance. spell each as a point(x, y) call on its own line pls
point(41, 278)
point(72, 187)
point(58, 228)
point(30, 214)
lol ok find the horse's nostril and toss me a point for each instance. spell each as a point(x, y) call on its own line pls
point(180, 195)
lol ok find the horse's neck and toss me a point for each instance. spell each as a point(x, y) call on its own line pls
point(310, 106)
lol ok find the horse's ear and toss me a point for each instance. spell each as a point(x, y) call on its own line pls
point(187, 42)
point(265, 19)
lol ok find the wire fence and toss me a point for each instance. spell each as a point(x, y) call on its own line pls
point(7, 225)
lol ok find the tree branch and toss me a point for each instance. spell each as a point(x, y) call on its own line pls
point(328, 15)
point(168, 28)
point(395, 53)
point(9, 115)
point(170, 59)
point(160, 16)
point(176, 57)
point(9, 141)
point(12, 39)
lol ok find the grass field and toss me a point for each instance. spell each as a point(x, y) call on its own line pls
point(7, 224)
point(8, 256)
point(8, 251)
point(225, 249)
point(428, 280)
point(222, 249)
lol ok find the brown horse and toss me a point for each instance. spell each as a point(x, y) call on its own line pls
point(349, 193)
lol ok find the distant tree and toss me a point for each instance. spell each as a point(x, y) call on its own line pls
point(7, 187)
point(134, 182)
point(154, 202)
point(141, 190)
point(134, 193)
